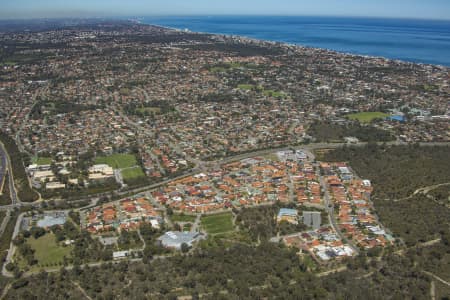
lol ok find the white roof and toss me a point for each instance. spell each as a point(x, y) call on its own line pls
point(119, 254)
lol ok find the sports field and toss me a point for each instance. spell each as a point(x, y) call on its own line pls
point(182, 218)
point(214, 224)
point(367, 117)
point(117, 161)
point(42, 161)
point(132, 173)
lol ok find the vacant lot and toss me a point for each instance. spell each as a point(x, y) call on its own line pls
point(132, 173)
point(117, 161)
point(47, 251)
point(367, 117)
point(215, 224)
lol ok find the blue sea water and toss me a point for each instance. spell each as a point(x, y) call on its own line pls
point(421, 41)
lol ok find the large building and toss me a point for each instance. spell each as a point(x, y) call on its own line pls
point(345, 173)
point(101, 171)
point(288, 215)
point(312, 219)
point(174, 239)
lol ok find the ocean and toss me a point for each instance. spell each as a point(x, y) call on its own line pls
point(420, 41)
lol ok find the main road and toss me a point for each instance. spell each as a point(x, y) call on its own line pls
point(214, 164)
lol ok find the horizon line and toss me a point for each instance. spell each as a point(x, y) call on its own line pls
point(115, 17)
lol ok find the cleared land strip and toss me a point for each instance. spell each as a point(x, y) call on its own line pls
point(423, 190)
point(77, 285)
point(437, 278)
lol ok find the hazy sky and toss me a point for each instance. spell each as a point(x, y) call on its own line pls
point(430, 9)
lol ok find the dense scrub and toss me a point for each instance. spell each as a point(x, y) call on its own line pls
point(260, 223)
point(328, 132)
point(25, 192)
point(415, 220)
point(5, 197)
point(396, 171)
point(5, 239)
point(238, 272)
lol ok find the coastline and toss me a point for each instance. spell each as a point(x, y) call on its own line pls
point(143, 21)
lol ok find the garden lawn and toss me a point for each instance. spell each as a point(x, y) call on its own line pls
point(214, 224)
point(367, 117)
point(117, 161)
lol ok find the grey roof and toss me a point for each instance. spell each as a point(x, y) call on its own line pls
point(174, 239)
point(312, 219)
point(49, 221)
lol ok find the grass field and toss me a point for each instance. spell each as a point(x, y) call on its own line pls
point(225, 67)
point(215, 224)
point(155, 110)
point(42, 161)
point(117, 161)
point(367, 117)
point(273, 93)
point(245, 86)
point(132, 173)
point(182, 218)
point(47, 251)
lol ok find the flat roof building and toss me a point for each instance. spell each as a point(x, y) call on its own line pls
point(288, 214)
point(51, 220)
point(174, 239)
point(312, 219)
point(120, 254)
